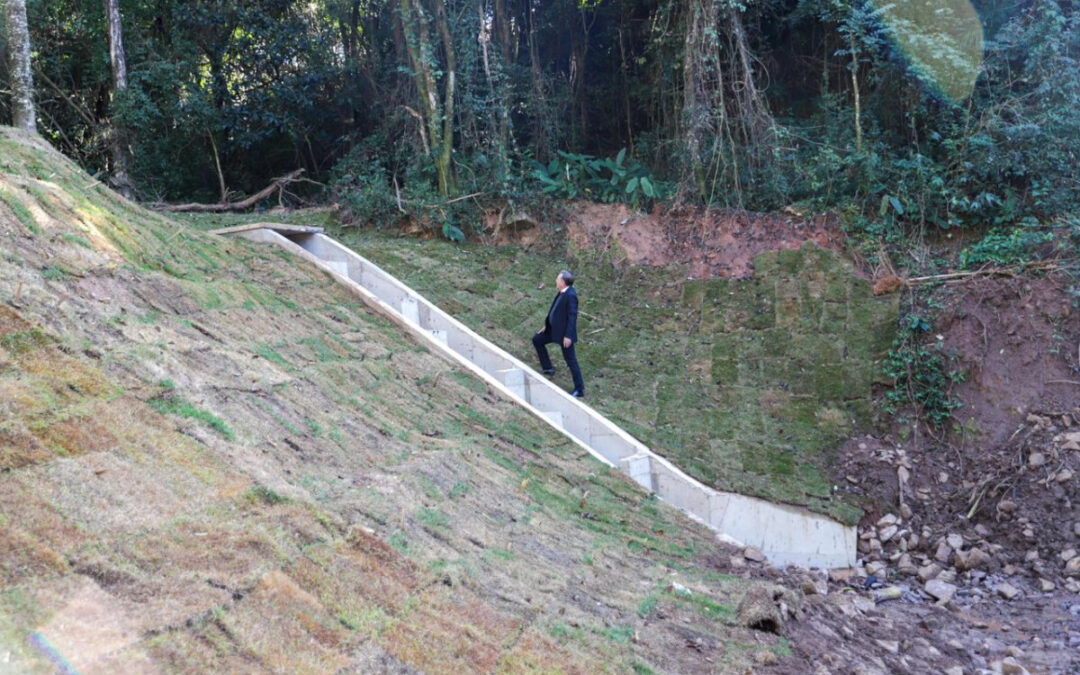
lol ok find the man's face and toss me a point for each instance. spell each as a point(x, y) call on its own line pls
point(559, 283)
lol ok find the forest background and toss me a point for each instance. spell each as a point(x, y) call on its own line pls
point(904, 118)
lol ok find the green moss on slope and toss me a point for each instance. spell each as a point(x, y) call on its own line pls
point(747, 385)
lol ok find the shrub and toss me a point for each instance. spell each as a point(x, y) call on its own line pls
point(614, 179)
point(922, 374)
point(365, 192)
point(1005, 247)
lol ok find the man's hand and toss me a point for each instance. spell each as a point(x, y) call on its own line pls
point(566, 342)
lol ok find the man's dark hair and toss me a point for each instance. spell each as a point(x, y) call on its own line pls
point(567, 277)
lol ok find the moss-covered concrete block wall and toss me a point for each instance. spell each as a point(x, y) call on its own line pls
point(793, 357)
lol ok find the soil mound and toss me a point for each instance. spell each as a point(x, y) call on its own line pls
point(712, 243)
point(1017, 342)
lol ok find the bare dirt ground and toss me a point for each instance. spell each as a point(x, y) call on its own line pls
point(710, 242)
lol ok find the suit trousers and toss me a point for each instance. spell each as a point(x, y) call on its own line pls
point(541, 340)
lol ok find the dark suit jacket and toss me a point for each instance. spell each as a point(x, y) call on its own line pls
point(562, 322)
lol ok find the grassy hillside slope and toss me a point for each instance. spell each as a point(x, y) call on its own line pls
point(214, 459)
point(748, 385)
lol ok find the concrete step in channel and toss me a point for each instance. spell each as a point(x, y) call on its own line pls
point(554, 416)
point(788, 535)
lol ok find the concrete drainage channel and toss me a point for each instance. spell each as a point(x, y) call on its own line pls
point(788, 535)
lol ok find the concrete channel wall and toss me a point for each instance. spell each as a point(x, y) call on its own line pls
point(788, 535)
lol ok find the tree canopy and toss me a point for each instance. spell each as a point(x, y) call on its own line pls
point(917, 113)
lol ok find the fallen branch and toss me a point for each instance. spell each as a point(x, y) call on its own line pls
point(276, 185)
point(217, 165)
point(458, 199)
point(397, 191)
point(891, 282)
point(80, 110)
point(977, 495)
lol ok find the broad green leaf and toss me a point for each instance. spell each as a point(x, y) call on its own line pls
point(647, 188)
point(453, 233)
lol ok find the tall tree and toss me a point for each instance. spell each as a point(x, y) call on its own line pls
point(117, 60)
point(726, 121)
point(438, 116)
point(116, 45)
point(22, 82)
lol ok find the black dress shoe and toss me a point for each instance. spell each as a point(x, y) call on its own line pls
point(549, 371)
point(577, 394)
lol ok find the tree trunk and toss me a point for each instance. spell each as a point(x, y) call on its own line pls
point(757, 120)
point(116, 46)
point(22, 82)
point(417, 44)
point(496, 86)
point(855, 91)
point(437, 117)
point(540, 141)
point(625, 70)
point(701, 76)
point(579, 54)
point(219, 85)
point(354, 29)
point(444, 164)
point(502, 30)
point(728, 126)
point(120, 178)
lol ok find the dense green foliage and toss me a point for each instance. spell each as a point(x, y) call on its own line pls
point(922, 373)
point(906, 116)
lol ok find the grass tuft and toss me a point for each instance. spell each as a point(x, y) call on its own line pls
point(21, 212)
point(169, 403)
point(264, 495)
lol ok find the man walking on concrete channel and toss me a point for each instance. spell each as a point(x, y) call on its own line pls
point(560, 327)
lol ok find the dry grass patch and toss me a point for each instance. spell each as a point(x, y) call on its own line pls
point(12, 322)
point(386, 576)
point(232, 558)
point(33, 530)
point(23, 399)
point(90, 629)
point(364, 589)
point(451, 632)
point(147, 437)
point(203, 646)
point(77, 436)
point(534, 653)
point(19, 448)
point(23, 556)
point(286, 628)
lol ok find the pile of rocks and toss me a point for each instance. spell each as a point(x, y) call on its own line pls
point(967, 561)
